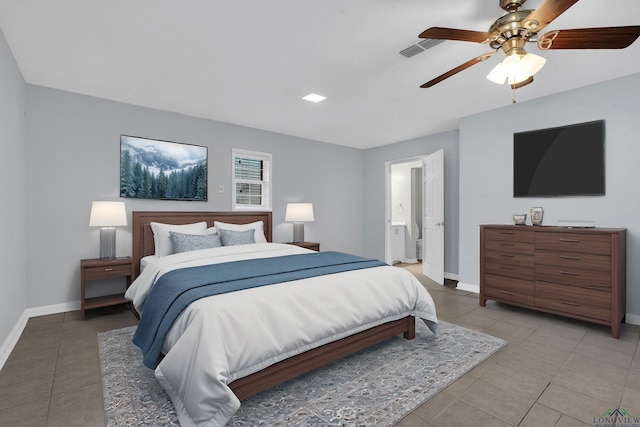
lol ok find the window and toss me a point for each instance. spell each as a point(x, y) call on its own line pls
point(251, 180)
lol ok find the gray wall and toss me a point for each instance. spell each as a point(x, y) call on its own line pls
point(486, 156)
point(73, 148)
point(13, 264)
point(374, 176)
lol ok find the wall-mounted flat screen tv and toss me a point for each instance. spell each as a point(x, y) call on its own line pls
point(562, 161)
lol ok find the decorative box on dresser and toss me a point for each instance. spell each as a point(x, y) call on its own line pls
point(573, 272)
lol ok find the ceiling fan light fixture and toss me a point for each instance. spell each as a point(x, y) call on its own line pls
point(498, 74)
point(532, 63)
point(516, 68)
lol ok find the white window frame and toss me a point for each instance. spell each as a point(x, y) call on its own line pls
point(266, 182)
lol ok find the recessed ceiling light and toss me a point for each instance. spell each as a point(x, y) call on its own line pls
point(314, 97)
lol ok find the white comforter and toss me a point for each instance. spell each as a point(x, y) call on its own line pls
point(219, 339)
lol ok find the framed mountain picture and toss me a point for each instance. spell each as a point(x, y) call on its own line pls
point(155, 169)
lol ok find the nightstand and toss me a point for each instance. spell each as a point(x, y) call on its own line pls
point(308, 245)
point(96, 269)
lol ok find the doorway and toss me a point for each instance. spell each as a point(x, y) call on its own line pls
point(406, 211)
point(414, 213)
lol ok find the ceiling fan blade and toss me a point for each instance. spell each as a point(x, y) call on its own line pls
point(441, 33)
point(522, 83)
point(547, 12)
point(459, 68)
point(590, 38)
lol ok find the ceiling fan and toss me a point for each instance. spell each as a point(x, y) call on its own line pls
point(518, 26)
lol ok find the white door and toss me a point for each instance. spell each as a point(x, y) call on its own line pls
point(433, 216)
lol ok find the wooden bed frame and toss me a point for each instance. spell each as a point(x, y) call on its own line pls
point(292, 367)
point(143, 244)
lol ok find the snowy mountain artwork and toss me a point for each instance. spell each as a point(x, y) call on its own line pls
point(154, 169)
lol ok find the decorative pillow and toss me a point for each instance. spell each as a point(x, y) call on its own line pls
point(193, 242)
point(258, 226)
point(162, 239)
point(233, 238)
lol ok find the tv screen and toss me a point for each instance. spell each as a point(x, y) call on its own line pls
point(562, 161)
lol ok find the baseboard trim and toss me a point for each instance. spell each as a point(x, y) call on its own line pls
point(10, 342)
point(468, 287)
point(52, 309)
point(632, 319)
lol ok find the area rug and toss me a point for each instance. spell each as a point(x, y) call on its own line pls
point(374, 387)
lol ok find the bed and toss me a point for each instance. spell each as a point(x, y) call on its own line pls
point(183, 368)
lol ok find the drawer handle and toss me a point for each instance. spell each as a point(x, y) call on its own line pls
point(108, 269)
point(573, 258)
point(507, 293)
point(506, 232)
point(506, 244)
point(573, 304)
point(506, 267)
point(507, 256)
point(569, 240)
point(569, 273)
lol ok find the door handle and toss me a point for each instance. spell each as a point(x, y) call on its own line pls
point(440, 224)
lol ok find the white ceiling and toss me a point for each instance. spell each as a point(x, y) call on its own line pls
point(249, 62)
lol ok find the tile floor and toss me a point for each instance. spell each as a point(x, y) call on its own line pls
point(553, 372)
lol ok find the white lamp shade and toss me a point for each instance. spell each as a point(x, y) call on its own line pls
point(299, 212)
point(108, 214)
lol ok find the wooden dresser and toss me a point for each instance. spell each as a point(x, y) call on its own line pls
point(573, 272)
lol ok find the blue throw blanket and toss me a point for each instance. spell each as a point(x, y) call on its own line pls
point(175, 290)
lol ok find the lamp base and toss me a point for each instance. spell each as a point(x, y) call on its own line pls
point(298, 232)
point(108, 243)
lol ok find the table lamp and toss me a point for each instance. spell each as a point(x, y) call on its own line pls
point(299, 213)
point(108, 216)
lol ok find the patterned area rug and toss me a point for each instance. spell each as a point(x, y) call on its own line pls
point(375, 387)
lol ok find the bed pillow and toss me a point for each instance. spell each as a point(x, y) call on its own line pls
point(147, 260)
point(234, 238)
point(193, 242)
point(162, 239)
point(257, 226)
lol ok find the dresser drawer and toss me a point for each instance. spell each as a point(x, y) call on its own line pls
point(509, 234)
point(92, 273)
point(512, 259)
point(590, 279)
point(574, 260)
point(508, 289)
point(574, 242)
point(509, 247)
point(574, 300)
point(509, 270)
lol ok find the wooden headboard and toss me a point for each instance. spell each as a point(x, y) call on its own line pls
point(143, 244)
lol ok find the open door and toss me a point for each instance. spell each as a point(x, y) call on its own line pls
point(433, 220)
